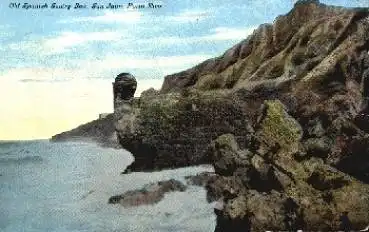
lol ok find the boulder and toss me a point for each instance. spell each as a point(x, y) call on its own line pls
point(226, 156)
point(271, 189)
point(278, 128)
point(285, 194)
point(149, 194)
point(318, 147)
point(201, 179)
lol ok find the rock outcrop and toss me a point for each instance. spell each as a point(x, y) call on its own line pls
point(269, 187)
point(311, 40)
point(173, 130)
point(282, 116)
point(124, 88)
point(101, 131)
point(316, 66)
point(202, 179)
point(149, 194)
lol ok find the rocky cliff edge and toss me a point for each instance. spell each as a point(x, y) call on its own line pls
point(282, 116)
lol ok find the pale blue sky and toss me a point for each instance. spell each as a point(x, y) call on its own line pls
point(58, 64)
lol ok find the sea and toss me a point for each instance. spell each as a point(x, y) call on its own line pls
point(47, 186)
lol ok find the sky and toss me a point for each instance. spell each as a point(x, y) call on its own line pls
point(57, 65)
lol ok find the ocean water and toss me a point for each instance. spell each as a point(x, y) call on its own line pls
point(66, 186)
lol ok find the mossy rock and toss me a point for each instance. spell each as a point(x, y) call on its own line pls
point(158, 115)
point(226, 155)
point(279, 128)
point(325, 178)
point(354, 199)
point(226, 141)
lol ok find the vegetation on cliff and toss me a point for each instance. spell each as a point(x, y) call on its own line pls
point(277, 127)
point(290, 104)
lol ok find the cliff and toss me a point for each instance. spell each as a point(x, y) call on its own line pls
point(296, 46)
point(101, 131)
point(282, 116)
point(277, 184)
point(314, 60)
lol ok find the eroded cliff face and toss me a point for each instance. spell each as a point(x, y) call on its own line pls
point(315, 60)
point(307, 42)
point(174, 130)
point(276, 184)
point(290, 104)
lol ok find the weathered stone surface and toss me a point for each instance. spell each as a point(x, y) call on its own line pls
point(102, 130)
point(274, 191)
point(149, 194)
point(291, 107)
point(355, 159)
point(124, 86)
point(225, 155)
point(173, 130)
point(315, 67)
point(283, 49)
point(278, 128)
point(201, 179)
point(318, 147)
